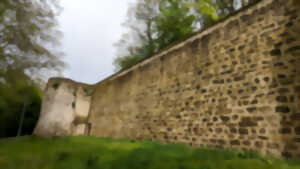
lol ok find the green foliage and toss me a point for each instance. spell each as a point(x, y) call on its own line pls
point(17, 90)
point(73, 104)
point(28, 31)
point(97, 153)
point(155, 24)
point(126, 62)
point(174, 22)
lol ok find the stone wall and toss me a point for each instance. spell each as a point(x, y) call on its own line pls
point(65, 108)
point(234, 85)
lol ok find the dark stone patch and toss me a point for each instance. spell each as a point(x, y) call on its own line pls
point(292, 49)
point(207, 76)
point(227, 72)
point(241, 47)
point(282, 99)
point(254, 101)
point(262, 131)
point(194, 46)
point(263, 137)
point(203, 91)
point(290, 12)
point(256, 80)
point(246, 102)
point(197, 104)
point(297, 139)
point(221, 142)
point(284, 34)
point(278, 45)
point(247, 143)
point(235, 117)
point(235, 142)
point(266, 79)
point(259, 95)
point(232, 49)
point(204, 43)
point(297, 130)
point(295, 117)
point(292, 99)
point(243, 131)
point(279, 64)
point(286, 154)
point(233, 130)
point(281, 76)
point(290, 40)
point(240, 91)
point(239, 78)
point(273, 85)
point(225, 118)
point(269, 26)
point(210, 124)
point(234, 62)
point(231, 25)
point(218, 81)
point(258, 118)
point(275, 52)
point(282, 109)
point(251, 109)
point(289, 24)
point(285, 131)
point(247, 122)
point(219, 130)
point(213, 140)
point(245, 18)
point(283, 90)
point(291, 146)
point(287, 81)
point(297, 89)
point(258, 144)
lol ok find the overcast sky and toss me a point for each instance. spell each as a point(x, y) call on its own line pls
point(90, 28)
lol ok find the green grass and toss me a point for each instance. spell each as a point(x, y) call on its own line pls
point(98, 153)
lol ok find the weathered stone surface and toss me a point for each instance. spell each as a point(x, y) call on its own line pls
point(282, 109)
point(235, 84)
point(69, 116)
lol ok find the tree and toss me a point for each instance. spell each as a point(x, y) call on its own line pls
point(18, 90)
point(174, 22)
point(206, 11)
point(28, 34)
point(155, 24)
point(139, 42)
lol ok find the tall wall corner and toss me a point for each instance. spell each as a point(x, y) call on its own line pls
point(65, 108)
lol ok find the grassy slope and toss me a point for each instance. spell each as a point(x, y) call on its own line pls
point(95, 153)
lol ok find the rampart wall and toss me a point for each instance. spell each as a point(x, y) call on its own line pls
point(233, 85)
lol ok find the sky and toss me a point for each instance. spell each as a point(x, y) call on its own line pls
point(90, 29)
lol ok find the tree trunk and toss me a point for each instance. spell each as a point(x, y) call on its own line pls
point(21, 120)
